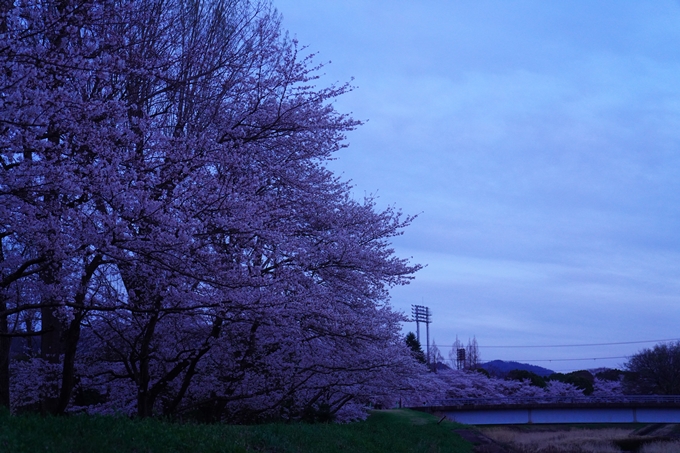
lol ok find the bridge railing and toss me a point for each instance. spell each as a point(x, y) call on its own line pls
point(539, 400)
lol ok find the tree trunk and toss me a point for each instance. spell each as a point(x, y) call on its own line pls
point(51, 346)
point(72, 336)
point(146, 398)
point(50, 350)
point(5, 349)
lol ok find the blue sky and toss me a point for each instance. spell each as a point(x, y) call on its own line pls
point(539, 143)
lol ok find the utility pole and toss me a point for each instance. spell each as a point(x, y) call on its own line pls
point(422, 314)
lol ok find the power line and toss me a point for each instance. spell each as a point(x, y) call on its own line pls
point(582, 345)
point(568, 360)
point(570, 345)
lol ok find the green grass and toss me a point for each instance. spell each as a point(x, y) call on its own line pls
point(391, 431)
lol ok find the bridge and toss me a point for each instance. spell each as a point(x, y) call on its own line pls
point(528, 410)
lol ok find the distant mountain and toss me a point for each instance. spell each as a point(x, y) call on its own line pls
point(440, 367)
point(501, 368)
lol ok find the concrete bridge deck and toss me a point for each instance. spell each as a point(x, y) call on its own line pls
point(624, 409)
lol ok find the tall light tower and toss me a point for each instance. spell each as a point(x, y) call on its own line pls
point(422, 314)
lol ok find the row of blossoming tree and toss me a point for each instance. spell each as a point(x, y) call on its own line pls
point(447, 383)
point(172, 241)
point(472, 384)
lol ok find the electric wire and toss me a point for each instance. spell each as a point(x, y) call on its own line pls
point(572, 345)
point(568, 345)
point(583, 345)
point(569, 360)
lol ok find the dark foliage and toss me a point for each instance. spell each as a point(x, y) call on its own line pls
point(611, 374)
point(482, 371)
point(654, 371)
point(581, 379)
point(521, 375)
point(417, 350)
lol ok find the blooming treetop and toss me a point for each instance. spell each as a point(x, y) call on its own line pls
point(170, 234)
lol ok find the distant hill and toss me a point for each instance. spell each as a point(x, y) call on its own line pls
point(440, 367)
point(501, 368)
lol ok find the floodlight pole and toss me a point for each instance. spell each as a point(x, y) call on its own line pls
point(422, 314)
point(415, 311)
point(427, 336)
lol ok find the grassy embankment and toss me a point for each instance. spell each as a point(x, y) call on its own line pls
point(652, 438)
point(384, 431)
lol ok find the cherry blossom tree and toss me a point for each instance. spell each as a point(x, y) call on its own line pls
point(452, 384)
point(170, 231)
